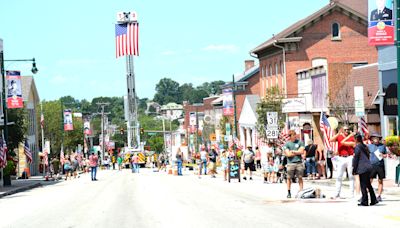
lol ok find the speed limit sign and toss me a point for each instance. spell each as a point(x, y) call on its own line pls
point(272, 120)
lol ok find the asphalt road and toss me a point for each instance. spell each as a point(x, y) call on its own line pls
point(151, 199)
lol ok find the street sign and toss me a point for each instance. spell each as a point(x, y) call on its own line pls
point(272, 134)
point(359, 100)
point(272, 120)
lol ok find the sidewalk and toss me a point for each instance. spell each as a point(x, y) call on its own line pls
point(21, 185)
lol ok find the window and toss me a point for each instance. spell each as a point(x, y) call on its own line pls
point(276, 69)
point(266, 71)
point(335, 31)
point(270, 69)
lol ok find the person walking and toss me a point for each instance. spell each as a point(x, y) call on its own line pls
point(224, 163)
point(75, 166)
point(203, 157)
point(93, 162)
point(248, 159)
point(212, 156)
point(55, 162)
point(67, 167)
point(346, 144)
point(135, 163)
point(377, 152)
point(119, 161)
point(258, 158)
point(362, 166)
point(294, 150)
point(179, 161)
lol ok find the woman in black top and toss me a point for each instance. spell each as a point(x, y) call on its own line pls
point(362, 166)
point(310, 159)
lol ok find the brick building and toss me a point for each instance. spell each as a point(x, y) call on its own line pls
point(298, 59)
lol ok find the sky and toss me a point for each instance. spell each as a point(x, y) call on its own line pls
point(188, 41)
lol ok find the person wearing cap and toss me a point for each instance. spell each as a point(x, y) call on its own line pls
point(248, 159)
point(377, 151)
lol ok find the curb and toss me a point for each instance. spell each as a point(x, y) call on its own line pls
point(20, 189)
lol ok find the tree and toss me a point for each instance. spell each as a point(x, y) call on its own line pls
point(16, 132)
point(272, 102)
point(211, 87)
point(53, 124)
point(167, 90)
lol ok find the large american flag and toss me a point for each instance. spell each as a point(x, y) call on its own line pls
point(127, 39)
point(3, 153)
point(27, 152)
point(327, 131)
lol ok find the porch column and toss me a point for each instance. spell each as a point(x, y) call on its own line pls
point(248, 137)
point(242, 140)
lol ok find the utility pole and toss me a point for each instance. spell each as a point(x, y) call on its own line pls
point(103, 105)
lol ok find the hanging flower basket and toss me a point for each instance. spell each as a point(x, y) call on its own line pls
point(392, 142)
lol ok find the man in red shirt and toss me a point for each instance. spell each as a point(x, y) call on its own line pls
point(346, 143)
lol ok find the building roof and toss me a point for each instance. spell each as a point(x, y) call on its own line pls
point(28, 84)
point(287, 35)
point(249, 116)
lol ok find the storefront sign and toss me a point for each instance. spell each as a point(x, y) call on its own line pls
point(294, 105)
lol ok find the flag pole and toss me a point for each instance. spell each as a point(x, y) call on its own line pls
point(42, 129)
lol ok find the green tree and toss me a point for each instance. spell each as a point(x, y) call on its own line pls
point(53, 124)
point(167, 90)
point(272, 102)
point(16, 131)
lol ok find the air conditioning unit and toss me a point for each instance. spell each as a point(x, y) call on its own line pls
point(207, 118)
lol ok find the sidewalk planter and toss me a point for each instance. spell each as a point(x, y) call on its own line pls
point(8, 170)
point(392, 142)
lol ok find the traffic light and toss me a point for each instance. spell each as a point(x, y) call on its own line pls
point(121, 131)
point(141, 131)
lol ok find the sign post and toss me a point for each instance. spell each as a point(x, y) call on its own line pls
point(272, 131)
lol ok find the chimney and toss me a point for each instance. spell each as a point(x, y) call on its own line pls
point(248, 64)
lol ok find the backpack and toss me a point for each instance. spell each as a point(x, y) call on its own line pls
point(307, 193)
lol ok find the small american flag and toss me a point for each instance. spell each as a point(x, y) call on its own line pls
point(62, 158)
point(259, 140)
point(3, 153)
point(42, 120)
point(284, 135)
point(327, 131)
point(127, 39)
point(362, 125)
point(216, 146)
point(231, 143)
point(238, 144)
point(27, 152)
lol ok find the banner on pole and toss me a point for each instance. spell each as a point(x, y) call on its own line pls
point(227, 102)
point(86, 128)
point(380, 22)
point(68, 126)
point(14, 94)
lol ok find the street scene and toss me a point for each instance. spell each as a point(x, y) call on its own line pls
point(200, 114)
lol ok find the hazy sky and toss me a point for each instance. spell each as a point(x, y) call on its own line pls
point(189, 41)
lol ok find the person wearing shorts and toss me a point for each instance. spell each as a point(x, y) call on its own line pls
point(248, 159)
point(377, 152)
point(294, 150)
